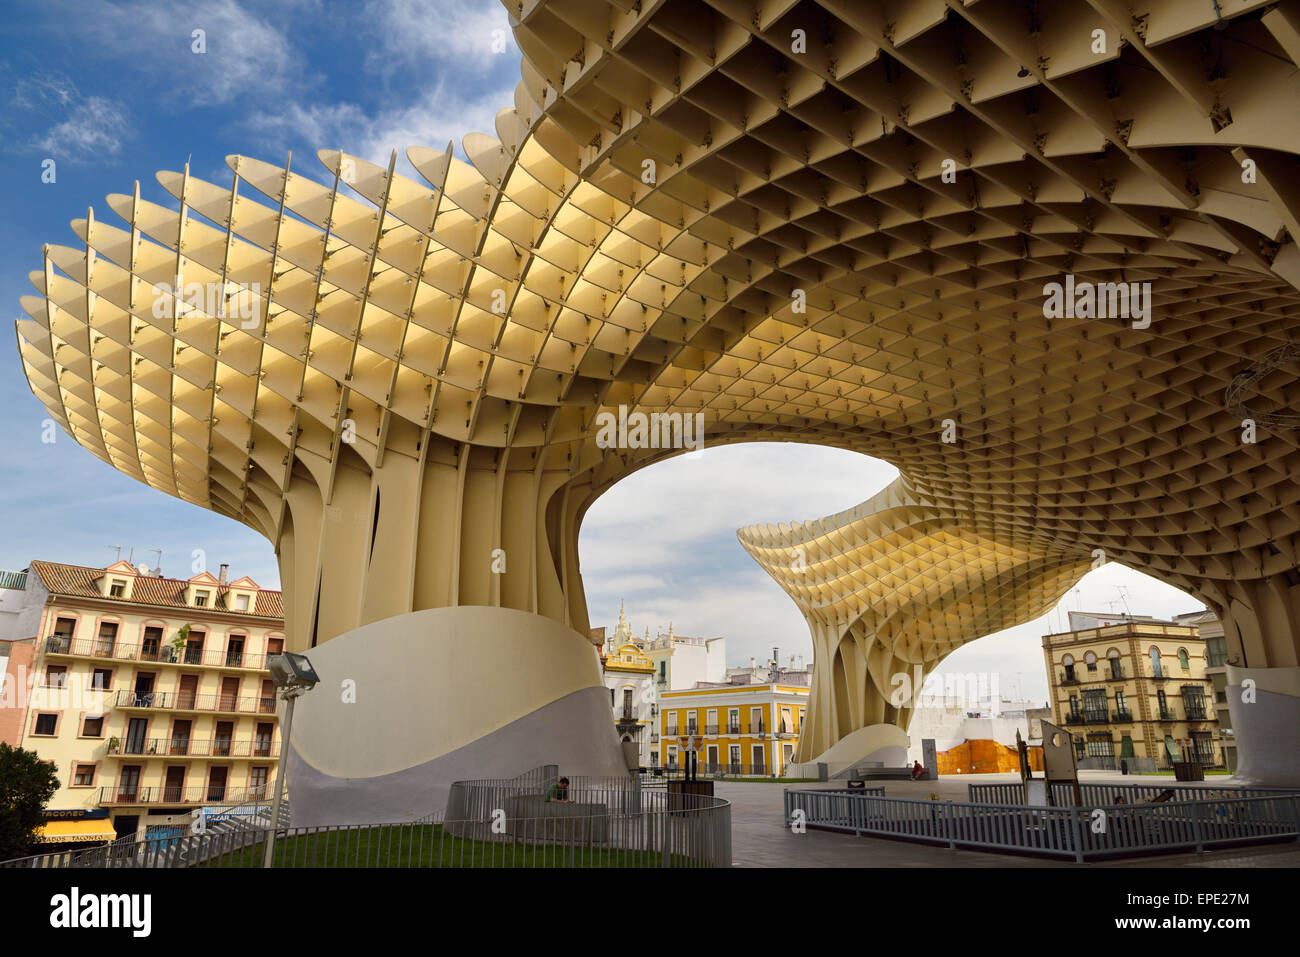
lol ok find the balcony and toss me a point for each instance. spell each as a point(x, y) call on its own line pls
point(1123, 717)
point(167, 795)
point(189, 701)
point(1195, 713)
point(733, 728)
point(1116, 674)
point(654, 737)
point(1167, 715)
point(1096, 717)
point(1068, 678)
point(154, 652)
point(758, 730)
point(1074, 718)
point(710, 729)
point(184, 747)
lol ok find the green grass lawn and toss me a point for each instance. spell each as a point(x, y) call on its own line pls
point(426, 845)
point(1207, 773)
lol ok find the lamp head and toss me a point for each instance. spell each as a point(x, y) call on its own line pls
point(289, 670)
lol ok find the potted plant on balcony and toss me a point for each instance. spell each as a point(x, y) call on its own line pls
point(114, 744)
point(173, 653)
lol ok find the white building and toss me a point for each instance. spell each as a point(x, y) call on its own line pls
point(638, 670)
point(629, 676)
point(954, 722)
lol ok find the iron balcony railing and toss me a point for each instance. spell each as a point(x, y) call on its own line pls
point(1116, 673)
point(1068, 679)
point(721, 769)
point(128, 796)
point(1096, 717)
point(1123, 717)
point(710, 729)
point(220, 747)
point(191, 701)
point(733, 728)
point(1167, 714)
point(1074, 717)
point(160, 652)
point(1195, 713)
point(758, 729)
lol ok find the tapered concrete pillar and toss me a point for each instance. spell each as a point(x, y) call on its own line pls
point(410, 704)
point(1264, 705)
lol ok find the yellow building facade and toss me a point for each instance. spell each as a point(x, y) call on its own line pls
point(149, 695)
point(750, 730)
point(1135, 692)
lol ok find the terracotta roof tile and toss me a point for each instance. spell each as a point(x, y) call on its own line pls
point(79, 580)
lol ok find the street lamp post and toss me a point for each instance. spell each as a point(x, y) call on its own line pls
point(293, 675)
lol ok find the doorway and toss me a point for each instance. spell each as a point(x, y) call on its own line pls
point(137, 732)
point(128, 784)
point(188, 694)
point(180, 743)
point(217, 783)
point(174, 785)
point(229, 698)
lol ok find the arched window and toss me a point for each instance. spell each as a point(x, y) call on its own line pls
point(1155, 663)
point(1091, 661)
point(1068, 662)
point(1182, 659)
point(1116, 666)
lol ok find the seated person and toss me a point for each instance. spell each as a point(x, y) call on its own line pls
point(918, 772)
point(558, 793)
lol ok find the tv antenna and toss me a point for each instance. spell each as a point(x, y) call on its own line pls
point(118, 548)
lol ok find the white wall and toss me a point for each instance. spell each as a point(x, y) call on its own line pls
point(20, 611)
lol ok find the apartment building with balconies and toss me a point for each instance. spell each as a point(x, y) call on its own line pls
point(743, 729)
point(150, 695)
point(1133, 690)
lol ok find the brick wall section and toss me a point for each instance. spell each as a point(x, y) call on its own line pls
point(13, 702)
point(985, 757)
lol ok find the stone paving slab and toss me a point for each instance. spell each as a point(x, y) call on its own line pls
point(759, 837)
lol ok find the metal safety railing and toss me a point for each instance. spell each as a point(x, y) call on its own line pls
point(696, 833)
point(1095, 795)
point(1079, 833)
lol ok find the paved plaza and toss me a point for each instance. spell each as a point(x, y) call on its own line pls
point(759, 838)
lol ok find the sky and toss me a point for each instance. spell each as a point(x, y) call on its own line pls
point(111, 92)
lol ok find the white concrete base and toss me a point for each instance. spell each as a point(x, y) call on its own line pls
point(881, 745)
point(1264, 705)
point(409, 704)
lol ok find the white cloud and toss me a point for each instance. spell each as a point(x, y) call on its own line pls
point(94, 127)
point(246, 55)
point(664, 540)
point(472, 34)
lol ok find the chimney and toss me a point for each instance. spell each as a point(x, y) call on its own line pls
point(751, 664)
point(222, 576)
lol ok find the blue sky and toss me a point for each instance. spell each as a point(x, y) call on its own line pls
point(113, 92)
